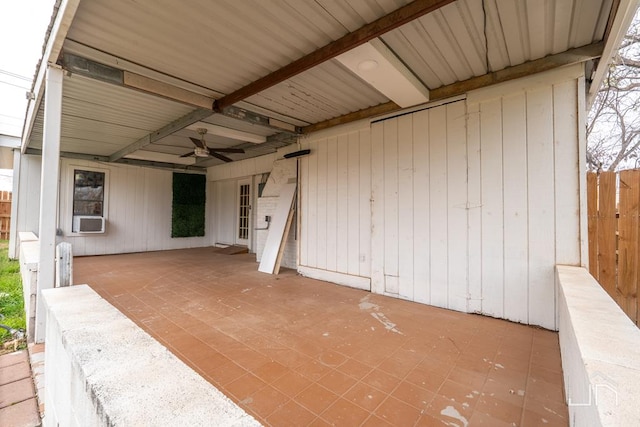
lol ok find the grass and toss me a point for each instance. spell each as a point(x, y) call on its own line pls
point(11, 302)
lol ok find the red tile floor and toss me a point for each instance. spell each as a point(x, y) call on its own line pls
point(293, 351)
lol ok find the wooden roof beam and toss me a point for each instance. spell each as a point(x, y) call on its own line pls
point(391, 21)
point(572, 56)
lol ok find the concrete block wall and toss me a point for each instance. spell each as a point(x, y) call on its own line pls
point(29, 255)
point(102, 369)
point(600, 349)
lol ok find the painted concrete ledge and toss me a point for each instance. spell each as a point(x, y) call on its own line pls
point(600, 349)
point(103, 370)
point(29, 256)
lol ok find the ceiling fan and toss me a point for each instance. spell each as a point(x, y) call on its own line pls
point(201, 149)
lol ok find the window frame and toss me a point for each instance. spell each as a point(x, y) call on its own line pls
point(70, 187)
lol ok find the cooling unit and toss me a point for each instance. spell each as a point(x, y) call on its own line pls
point(88, 224)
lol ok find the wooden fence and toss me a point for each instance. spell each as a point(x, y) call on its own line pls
point(5, 214)
point(613, 209)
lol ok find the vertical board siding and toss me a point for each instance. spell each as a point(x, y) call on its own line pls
point(321, 207)
point(474, 205)
point(342, 206)
point(335, 186)
point(331, 204)
point(406, 209)
point(567, 182)
point(421, 230)
point(365, 218)
point(458, 291)
point(492, 219)
point(138, 211)
point(390, 194)
point(516, 208)
point(28, 196)
point(438, 206)
point(420, 177)
point(351, 176)
point(530, 198)
point(478, 201)
point(542, 217)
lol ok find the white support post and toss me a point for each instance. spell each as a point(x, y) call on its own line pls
point(49, 191)
point(14, 252)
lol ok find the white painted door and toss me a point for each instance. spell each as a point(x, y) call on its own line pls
point(243, 212)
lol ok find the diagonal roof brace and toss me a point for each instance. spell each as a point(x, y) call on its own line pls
point(132, 162)
point(94, 70)
point(184, 121)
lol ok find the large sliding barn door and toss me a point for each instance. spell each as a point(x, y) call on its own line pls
point(419, 206)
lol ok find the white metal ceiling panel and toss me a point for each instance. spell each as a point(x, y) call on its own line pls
point(100, 118)
point(326, 91)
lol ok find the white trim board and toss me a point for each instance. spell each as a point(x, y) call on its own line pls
point(357, 282)
point(276, 237)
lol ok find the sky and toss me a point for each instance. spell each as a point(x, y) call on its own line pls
point(23, 24)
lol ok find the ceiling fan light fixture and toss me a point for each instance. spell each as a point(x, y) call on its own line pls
point(201, 152)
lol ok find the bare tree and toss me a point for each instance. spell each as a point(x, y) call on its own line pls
point(613, 124)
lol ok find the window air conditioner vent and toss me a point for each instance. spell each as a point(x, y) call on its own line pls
point(88, 224)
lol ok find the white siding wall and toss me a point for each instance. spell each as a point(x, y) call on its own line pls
point(335, 188)
point(138, 211)
point(525, 143)
point(28, 197)
point(474, 202)
point(419, 194)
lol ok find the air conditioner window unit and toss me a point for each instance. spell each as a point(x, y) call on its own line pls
point(88, 224)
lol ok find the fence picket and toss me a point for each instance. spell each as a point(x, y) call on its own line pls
point(613, 214)
point(629, 195)
point(592, 222)
point(607, 232)
point(5, 214)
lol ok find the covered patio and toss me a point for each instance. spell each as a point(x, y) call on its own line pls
point(296, 351)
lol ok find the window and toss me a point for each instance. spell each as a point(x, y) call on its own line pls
point(88, 193)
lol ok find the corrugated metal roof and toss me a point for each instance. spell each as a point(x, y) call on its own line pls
point(220, 46)
point(449, 44)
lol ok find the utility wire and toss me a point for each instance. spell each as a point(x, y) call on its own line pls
point(17, 76)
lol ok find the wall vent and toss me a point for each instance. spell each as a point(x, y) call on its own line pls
point(88, 224)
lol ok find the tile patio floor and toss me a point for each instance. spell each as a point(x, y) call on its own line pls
point(294, 351)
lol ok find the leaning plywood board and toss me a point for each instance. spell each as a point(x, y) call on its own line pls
point(278, 228)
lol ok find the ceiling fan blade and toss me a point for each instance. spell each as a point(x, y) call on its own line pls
point(188, 154)
point(228, 150)
point(220, 156)
point(197, 142)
